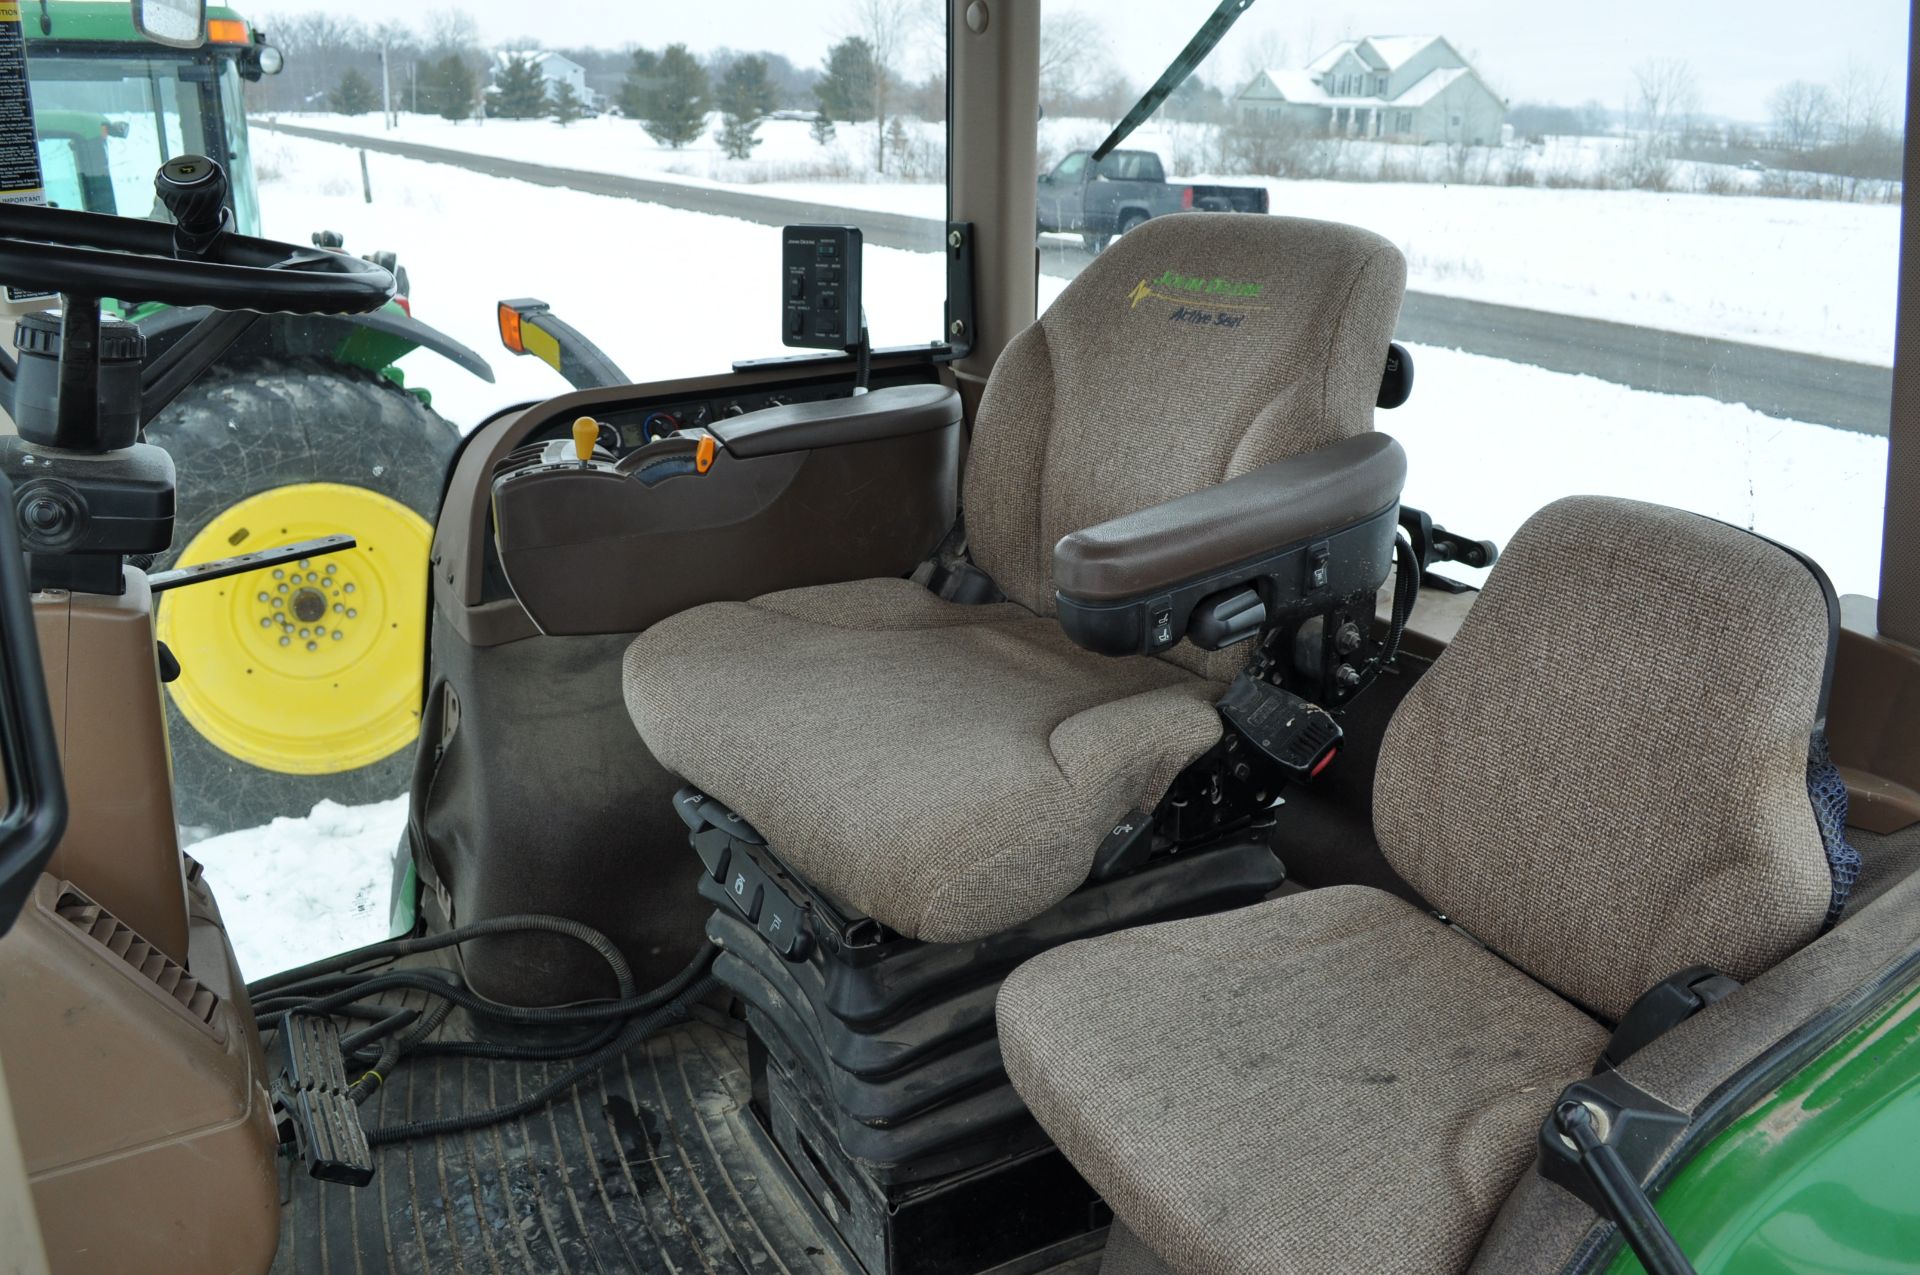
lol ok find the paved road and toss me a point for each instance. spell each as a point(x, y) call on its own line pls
point(1803, 387)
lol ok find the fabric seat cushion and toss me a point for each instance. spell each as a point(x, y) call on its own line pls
point(1329, 1081)
point(947, 770)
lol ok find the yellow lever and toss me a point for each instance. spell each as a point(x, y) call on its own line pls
point(586, 431)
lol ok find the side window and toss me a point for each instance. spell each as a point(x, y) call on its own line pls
point(1722, 308)
point(1071, 167)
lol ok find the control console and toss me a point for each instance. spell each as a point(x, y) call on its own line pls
point(820, 287)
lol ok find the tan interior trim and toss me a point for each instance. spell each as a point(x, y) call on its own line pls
point(21, 1250)
point(1899, 611)
point(1875, 702)
point(993, 138)
point(103, 686)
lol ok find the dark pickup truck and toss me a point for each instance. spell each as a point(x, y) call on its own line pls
point(1099, 201)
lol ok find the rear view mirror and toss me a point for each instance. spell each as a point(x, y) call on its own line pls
point(180, 24)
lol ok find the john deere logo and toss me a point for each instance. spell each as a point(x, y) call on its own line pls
point(1184, 290)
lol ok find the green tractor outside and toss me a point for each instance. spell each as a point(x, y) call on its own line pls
point(304, 682)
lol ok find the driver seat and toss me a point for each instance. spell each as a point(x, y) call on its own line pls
point(949, 770)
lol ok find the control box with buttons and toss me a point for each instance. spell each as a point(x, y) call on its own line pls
point(820, 286)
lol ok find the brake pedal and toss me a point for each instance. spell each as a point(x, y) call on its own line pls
point(313, 1104)
point(1298, 736)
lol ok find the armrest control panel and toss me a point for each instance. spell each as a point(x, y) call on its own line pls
point(1301, 534)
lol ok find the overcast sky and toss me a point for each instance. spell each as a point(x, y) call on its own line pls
point(1541, 50)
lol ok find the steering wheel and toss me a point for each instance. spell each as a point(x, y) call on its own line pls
point(87, 254)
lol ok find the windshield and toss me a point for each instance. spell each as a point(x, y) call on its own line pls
point(106, 123)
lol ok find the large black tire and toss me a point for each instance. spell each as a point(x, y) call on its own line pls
point(253, 426)
point(1128, 220)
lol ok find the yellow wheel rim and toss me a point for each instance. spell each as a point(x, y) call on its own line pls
point(313, 667)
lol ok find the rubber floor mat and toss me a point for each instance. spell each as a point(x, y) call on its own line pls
point(656, 1164)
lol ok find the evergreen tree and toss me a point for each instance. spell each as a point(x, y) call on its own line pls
point(567, 106)
point(519, 90)
point(846, 91)
point(354, 95)
point(821, 129)
point(745, 97)
point(446, 87)
point(679, 113)
point(641, 89)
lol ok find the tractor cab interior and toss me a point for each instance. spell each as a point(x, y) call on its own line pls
point(1027, 803)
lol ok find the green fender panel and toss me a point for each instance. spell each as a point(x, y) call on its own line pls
point(1822, 1176)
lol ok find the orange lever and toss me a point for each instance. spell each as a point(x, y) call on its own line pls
point(703, 453)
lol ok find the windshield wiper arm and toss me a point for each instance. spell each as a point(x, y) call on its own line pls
point(1211, 32)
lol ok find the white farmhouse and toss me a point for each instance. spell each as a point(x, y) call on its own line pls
point(1414, 88)
point(553, 68)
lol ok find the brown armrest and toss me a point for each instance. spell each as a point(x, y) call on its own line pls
point(835, 422)
point(1167, 545)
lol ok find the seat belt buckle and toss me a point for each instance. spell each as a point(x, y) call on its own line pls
point(1301, 738)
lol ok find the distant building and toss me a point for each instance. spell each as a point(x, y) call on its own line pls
point(1414, 88)
point(553, 68)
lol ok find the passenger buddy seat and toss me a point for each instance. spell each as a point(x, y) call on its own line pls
point(1615, 772)
point(898, 797)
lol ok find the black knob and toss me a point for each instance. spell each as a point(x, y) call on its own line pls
point(52, 515)
point(194, 190)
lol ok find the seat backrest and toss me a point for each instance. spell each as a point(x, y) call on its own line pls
point(1606, 777)
point(1195, 348)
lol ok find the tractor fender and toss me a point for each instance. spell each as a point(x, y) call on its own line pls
point(321, 336)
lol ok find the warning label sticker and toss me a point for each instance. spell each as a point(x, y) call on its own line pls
point(19, 148)
point(20, 181)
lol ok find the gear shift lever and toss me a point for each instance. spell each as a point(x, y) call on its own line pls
point(193, 189)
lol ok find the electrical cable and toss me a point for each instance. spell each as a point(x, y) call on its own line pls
point(1406, 590)
point(639, 1029)
point(343, 986)
point(393, 948)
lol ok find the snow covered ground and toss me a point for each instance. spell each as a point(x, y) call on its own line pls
point(1741, 267)
point(670, 293)
point(300, 889)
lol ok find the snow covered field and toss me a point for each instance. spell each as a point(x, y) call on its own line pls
point(1741, 267)
point(300, 889)
point(670, 293)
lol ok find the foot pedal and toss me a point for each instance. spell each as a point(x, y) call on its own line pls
point(1301, 738)
point(313, 1104)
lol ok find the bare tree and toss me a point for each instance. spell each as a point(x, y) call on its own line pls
point(1264, 52)
point(1072, 55)
point(886, 26)
point(452, 31)
point(1802, 113)
point(1668, 97)
point(1859, 103)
